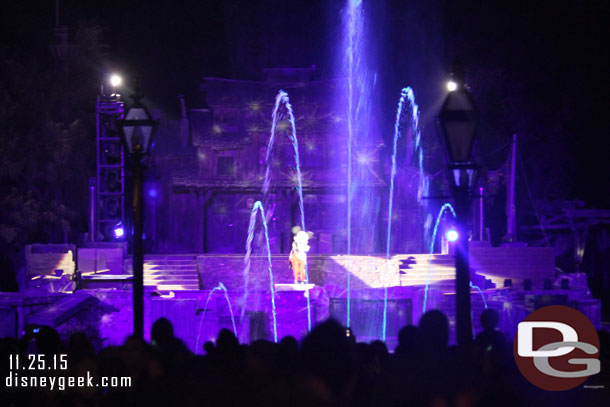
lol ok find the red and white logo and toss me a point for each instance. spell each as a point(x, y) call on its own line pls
point(557, 348)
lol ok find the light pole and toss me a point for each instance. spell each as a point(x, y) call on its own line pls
point(458, 122)
point(137, 130)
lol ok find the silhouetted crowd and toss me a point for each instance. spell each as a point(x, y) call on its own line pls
point(328, 368)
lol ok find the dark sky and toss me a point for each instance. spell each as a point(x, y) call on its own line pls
point(171, 44)
point(554, 52)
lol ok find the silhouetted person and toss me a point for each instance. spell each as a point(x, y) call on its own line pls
point(490, 337)
point(289, 353)
point(226, 371)
point(289, 344)
point(407, 340)
point(433, 331)
point(209, 347)
point(163, 339)
point(227, 342)
point(326, 356)
point(47, 340)
point(162, 333)
point(381, 351)
point(79, 346)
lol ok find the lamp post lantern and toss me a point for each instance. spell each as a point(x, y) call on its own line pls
point(137, 130)
point(458, 120)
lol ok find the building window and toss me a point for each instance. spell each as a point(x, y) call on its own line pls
point(225, 166)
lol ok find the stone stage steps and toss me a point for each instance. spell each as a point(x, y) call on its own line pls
point(171, 272)
point(196, 271)
point(417, 269)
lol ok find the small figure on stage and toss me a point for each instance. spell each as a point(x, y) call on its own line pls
point(298, 255)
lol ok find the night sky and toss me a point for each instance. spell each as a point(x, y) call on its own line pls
point(539, 68)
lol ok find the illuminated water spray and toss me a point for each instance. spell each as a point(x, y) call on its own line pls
point(353, 53)
point(476, 287)
point(224, 289)
point(282, 99)
point(219, 287)
point(256, 208)
point(445, 207)
point(406, 93)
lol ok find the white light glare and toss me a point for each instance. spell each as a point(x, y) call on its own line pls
point(119, 232)
point(451, 86)
point(452, 235)
point(115, 80)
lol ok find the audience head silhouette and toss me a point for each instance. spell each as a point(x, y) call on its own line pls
point(327, 369)
point(227, 341)
point(489, 319)
point(434, 330)
point(162, 332)
point(407, 339)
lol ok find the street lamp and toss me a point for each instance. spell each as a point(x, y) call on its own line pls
point(115, 80)
point(137, 134)
point(458, 122)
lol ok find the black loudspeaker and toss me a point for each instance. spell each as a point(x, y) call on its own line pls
point(366, 316)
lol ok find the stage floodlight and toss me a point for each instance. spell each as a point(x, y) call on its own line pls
point(115, 80)
point(118, 231)
point(452, 235)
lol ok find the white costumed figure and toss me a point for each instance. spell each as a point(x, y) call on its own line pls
point(298, 256)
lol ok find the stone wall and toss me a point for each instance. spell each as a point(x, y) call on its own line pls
point(101, 260)
point(49, 267)
point(366, 271)
point(516, 263)
point(497, 264)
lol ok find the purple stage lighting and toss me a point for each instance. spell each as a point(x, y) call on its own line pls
point(118, 231)
point(452, 235)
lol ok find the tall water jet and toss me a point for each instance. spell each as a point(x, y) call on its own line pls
point(476, 287)
point(353, 50)
point(446, 206)
point(406, 93)
point(219, 287)
point(226, 292)
point(256, 208)
point(283, 99)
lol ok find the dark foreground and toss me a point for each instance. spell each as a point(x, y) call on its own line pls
point(326, 369)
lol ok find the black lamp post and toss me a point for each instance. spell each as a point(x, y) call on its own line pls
point(458, 121)
point(137, 131)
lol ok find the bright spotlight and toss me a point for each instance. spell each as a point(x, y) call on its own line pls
point(115, 80)
point(451, 86)
point(452, 235)
point(118, 231)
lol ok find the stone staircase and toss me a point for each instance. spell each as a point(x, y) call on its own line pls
point(167, 272)
point(437, 269)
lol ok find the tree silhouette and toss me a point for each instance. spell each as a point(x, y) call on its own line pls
point(47, 138)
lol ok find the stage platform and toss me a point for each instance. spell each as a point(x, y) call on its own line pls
point(107, 312)
point(186, 289)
